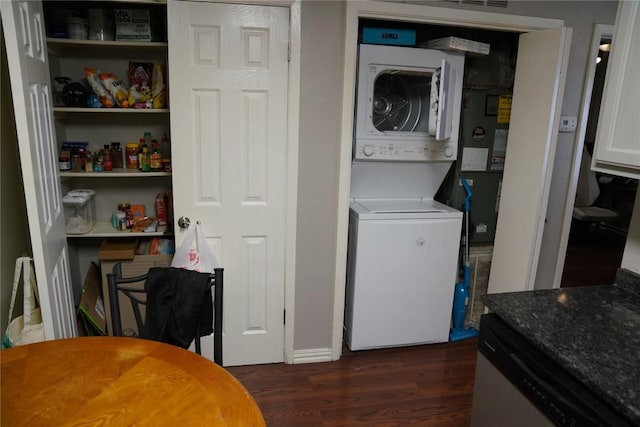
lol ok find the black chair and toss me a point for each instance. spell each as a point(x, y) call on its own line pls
point(137, 296)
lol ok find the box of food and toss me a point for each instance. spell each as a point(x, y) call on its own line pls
point(132, 24)
point(120, 249)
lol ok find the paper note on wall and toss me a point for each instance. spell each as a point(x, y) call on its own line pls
point(474, 159)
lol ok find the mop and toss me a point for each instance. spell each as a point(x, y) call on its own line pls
point(461, 293)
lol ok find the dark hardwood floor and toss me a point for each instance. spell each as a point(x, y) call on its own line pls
point(428, 385)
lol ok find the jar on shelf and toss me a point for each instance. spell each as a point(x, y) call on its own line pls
point(131, 155)
point(116, 155)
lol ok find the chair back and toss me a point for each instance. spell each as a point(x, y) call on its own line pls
point(137, 297)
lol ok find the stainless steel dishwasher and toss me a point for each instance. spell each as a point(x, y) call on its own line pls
point(517, 385)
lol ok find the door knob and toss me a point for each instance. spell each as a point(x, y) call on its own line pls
point(184, 222)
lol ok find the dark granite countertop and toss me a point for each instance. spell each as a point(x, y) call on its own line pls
point(593, 332)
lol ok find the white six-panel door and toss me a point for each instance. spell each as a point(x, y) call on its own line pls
point(228, 92)
point(23, 23)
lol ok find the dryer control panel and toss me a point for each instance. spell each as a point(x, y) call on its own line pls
point(404, 151)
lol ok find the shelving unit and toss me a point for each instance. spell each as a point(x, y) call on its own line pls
point(102, 126)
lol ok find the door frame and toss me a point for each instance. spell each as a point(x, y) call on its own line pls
point(599, 31)
point(405, 13)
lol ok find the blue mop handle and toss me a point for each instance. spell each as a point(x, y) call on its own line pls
point(467, 200)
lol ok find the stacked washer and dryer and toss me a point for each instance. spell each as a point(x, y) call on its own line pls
point(403, 245)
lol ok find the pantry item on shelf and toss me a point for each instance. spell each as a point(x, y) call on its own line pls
point(101, 25)
point(107, 162)
point(64, 161)
point(161, 209)
point(77, 28)
point(145, 160)
point(144, 225)
point(76, 161)
point(58, 85)
point(88, 161)
point(132, 24)
point(117, 88)
point(137, 211)
point(98, 88)
point(79, 212)
point(140, 78)
point(93, 101)
point(90, 193)
point(119, 220)
point(116, 155)
point(159, 246)
point(155, 159)
point(131, 155)
point(74, 95)
point(158, 88)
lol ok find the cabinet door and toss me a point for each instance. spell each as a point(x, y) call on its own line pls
point(23, 23)
point(617, 145)
point(228, 80)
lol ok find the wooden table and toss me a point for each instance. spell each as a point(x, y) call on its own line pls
point(119, 382)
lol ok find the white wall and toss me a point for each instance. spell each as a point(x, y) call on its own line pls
point(322, 53)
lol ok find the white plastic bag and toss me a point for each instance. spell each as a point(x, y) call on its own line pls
point(194, 253)
point(28, 327)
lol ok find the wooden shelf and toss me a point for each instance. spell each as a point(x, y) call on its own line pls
point(75, 47)
point(105, 229)
point(60, 112)
point(116, 173)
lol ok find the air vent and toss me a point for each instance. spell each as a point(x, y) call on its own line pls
point(490, 3)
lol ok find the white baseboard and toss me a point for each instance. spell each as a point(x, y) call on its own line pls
point(312, 355)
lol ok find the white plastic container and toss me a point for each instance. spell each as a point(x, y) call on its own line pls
point(89, 193)
point(77, 28)
point(79, 211)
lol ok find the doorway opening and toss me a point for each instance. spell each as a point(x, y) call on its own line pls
point(604, 203)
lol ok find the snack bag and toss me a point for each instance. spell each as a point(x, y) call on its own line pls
point(140, 77)
point(117, 88)
point(158, 88)
point(98, 88)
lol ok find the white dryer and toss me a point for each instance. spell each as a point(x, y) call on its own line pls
point(402, 268)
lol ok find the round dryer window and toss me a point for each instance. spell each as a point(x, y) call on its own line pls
point(398, 101)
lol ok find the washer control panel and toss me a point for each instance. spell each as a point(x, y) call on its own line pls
point(410, 151)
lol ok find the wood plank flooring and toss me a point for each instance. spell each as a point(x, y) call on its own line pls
point(429, 385)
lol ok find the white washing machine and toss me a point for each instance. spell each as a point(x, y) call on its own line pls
point(402, 268)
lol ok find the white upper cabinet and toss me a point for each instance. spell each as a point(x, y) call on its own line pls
point(617, 149)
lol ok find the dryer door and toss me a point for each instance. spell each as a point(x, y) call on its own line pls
point(441, 107)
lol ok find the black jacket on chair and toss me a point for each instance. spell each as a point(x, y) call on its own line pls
point(179, 304)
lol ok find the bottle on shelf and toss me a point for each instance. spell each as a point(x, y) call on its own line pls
point(145, 164)
point(147, 138)
point(107, 162)
point(165, 152)
point(140, 146)
point(88, 161)
point(155, 159)
point(116, 155)
point(132, 155)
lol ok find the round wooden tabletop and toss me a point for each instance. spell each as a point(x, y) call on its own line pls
point(119, 382)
